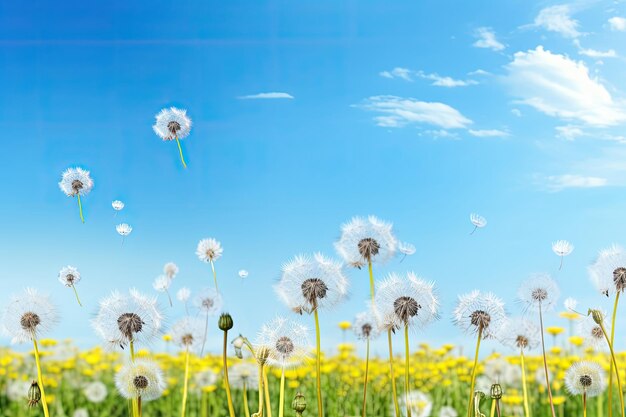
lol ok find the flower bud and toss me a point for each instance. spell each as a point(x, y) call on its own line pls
point(299, 403)
point(225, 322)
point(496, 392)
point(237, 345)
point(597, 316)
point(262, 353)
point(34, 394)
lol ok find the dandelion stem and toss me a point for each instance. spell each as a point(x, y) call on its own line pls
point(367, 364)
point(246, 409)
point(132, 351)
point(369, 265)
point(614, 363)
point(180, 150)
point(261, 373)
point(214, 275)
point(391, 375)
point(206, 331)
point(584, 403)
point(281, 404)
point(493, 408)
point(524, 385)
point(168, 297)
point(139, 406)
point(610, 402)
point(561, 265)
point(473, 377)
point(80, 209)
point(266, 388)
point(76, 293)
point(231, 410)
point(318, 364)
point(475, 227)
point(545, 363)
point(406, 369)
point(44, 401)
point(186, 383)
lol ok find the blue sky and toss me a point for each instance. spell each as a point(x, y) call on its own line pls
point(418, 112)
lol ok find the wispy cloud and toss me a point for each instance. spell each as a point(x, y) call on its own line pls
point(593, 53)
point(556, 183)
point(618, 23)
point(487, 39)
point(558, 19)
point(560, 87)
point(489, 133)
point(437, 80)
point(399, 112)
point(273, 95)
point(569, 132)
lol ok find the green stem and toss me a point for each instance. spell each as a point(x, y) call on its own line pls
point(614, 363)
point(391, 375)
point(367, 363)
point(261, 379)
point(44, 401)
point(473, 377)
point(524, 385)
point(214, 275)
point(493, 408)
point(180, 150)
point(281, 398)
point(266, 388)
point(231, 410)
point(545, 363)
point(406, 370)
point(372, 288)
point(610, 388)
point(584, 403)
point(246, 409)
point(185, 384)
point(80, 209)
point(76, 293)
point(318, 364)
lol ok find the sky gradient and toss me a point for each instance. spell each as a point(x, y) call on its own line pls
point(417, 112)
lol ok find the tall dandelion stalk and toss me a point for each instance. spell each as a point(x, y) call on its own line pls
point(225, 323)
point(76, 182)
point(481, 314)
point(365, 328)
point(307, 285)
point(209, 302)
point(187, 334)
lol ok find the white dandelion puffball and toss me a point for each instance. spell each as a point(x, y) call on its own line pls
point(562, 247)
point(608, 272)
point(183, 294)
point(161, 283)
point(520, 334)
point(29, 316)
point(540, 375)
point(123, 319)
point(205, 378)
point(592, 333)
point(17, 390)
point(500, 371)
point(209, 250)
point(209, 301)
point(188, 333)
point(447, 411)
point(310, 283)
point(76, 181)
point(95, 392)
point(286, 340)
point(539, 291)
point(406, 248)
point(366, 240)
point(172, 124)
point(140, 378)
point(244, 373)
point(69, 276)
point(405, 301)
point(585, 377)
point(170, 270)
point(365, 326)
point(123, 229)
point(80, 412)
point(478, 221)
point(117, 205)
point(570, 304)
point(419, 403)
point(480, 312)
point(243, 273)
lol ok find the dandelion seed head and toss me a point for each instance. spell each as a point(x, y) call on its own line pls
point(478, 221)
point(608, 272)
point(244, 373)
point(117, 205)
point(243, 273)
point(80, 412)
point(519, 333)
point(140, 378)
point(480, 312)
point(500, 371)
point(188, 333)
point(419, 403)
point(366, 240)
point(76, 181)
point(183, 294)
point(309, 283)
point(286, 340)
point(172, 123)
point(539, 291)
point(161, 283)
point(205, 378)
point(170, 270)
point(365, 326)
point(585, 377)
point(447, 411)
point(69, 276)
point(95, 392)
point(562, 247)
point(208, 301)
point(405, 300)
point(209, 250)
point(123, 229)
point(29, 315)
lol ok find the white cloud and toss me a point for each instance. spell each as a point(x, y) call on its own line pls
point(487, 39)
point(272, 95)
point(569, 132)
point(489, 133)
point(479, 71)
point(398, 72)
point(516, 112)
point(557, 183)
point(593, 53)
point(561, 87)
point(437, 80)
point(398, 112)
point(618, 23)
point(557, 19)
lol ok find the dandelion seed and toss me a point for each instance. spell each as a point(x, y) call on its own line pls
point(95, 392)
point(76, 182)
point(140, 379)
point(123, 229)
point(570, 304)
point(243, 273)
point(173, 124)
point(69, 276)
point(406, 249)
point(162, 284)
point(478, 221)
point(117, 206)
point(210, 250)
point(562, 248)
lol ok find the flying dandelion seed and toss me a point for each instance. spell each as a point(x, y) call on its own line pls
point(173, 124)
point(76, 182)
point(162, 284)
point(478, 221)
point(170, 270)
point(183, 296)
point(562, 248)
point(406, 249)
point(117, 206)
point(243, 273)
point(69, 276)
point(123, 229)
point(208, 302)
point(570, 304)
point(210, 250)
